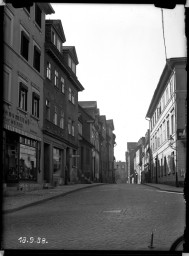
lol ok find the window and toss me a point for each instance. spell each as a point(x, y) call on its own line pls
point(62, 120)
point(47, 105)
point(168, 131)
point(36, 58)
point(35, 104)
point(58, 45)
point(7, 84)
point(70, 94)
point(172, 124)
point(24, 47)
point(62, 85)
point(56, 78)
point(48, 70)
point(167, 94)
point(73, 129)
point(55, 116)
point(53, 38)
point(73, 98)
point(80, 126)
point(161, 135)
point(69, 126)
point(23, 90)
point(69, 62)
point(38, 14)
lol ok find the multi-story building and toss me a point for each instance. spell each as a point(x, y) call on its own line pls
point(91, 108)
point(120, 172)
point(110, 140)
point(167, 119)
point(60, 127)
point(139, 159)
point(24, 37)
point(131, 146)
point(146, 158)
point(85, 146)
point(103, 149)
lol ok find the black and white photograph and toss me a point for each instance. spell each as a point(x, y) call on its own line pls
point(94, 133)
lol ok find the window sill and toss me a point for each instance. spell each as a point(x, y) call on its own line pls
point(34, 117)
point(22, 110)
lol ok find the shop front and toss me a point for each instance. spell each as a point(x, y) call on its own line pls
point(21, 158)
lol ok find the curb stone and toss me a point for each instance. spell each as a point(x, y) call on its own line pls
point(49, 198)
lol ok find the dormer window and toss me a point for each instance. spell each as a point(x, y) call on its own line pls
point(71, 64)
point(58, 45)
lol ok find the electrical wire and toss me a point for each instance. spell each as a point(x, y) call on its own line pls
point(163, 34)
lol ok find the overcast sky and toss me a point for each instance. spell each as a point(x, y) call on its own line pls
point(121, 56)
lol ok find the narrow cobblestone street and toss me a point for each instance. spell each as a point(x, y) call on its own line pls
point(107, 217)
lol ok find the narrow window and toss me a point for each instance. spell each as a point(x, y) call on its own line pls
point(36, 58)
point(48, 70)
point(69, 62)
point(172, 124)
point(168, 133)
point(56, 78)
point(73, 98)
point(165, 166)
point(23, 96)
point(35, 105)
point(62, 120)
point(38, 14)
point(69, 126)
point(62, 85)
point(53, 38)
point(70, 94)
point(55, 115)
point(24, 50)
point(58, 45)
point(73, 129)
point(47, 105)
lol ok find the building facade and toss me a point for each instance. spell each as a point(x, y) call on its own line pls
point(60, 126)
point(24, 37)
point(130, 154)
point(120, 172)
point(167, 119)
point(85, 146)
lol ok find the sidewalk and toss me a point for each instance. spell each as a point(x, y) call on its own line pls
point(165, 187)
point(17, 200)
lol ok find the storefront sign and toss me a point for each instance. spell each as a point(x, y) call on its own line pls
point(15, 120)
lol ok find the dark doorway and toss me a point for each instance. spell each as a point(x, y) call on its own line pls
point(46, 162)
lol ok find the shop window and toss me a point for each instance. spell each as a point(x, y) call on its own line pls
point(27, 163)
point(36, 58)
point(23, 91)
point(38, 14)
point(24, 47)
point(35, 105)
point(49, 70)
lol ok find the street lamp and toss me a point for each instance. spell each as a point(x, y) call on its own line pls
point(171, 142)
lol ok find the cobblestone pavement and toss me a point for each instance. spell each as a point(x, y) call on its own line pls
point(107, 217)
